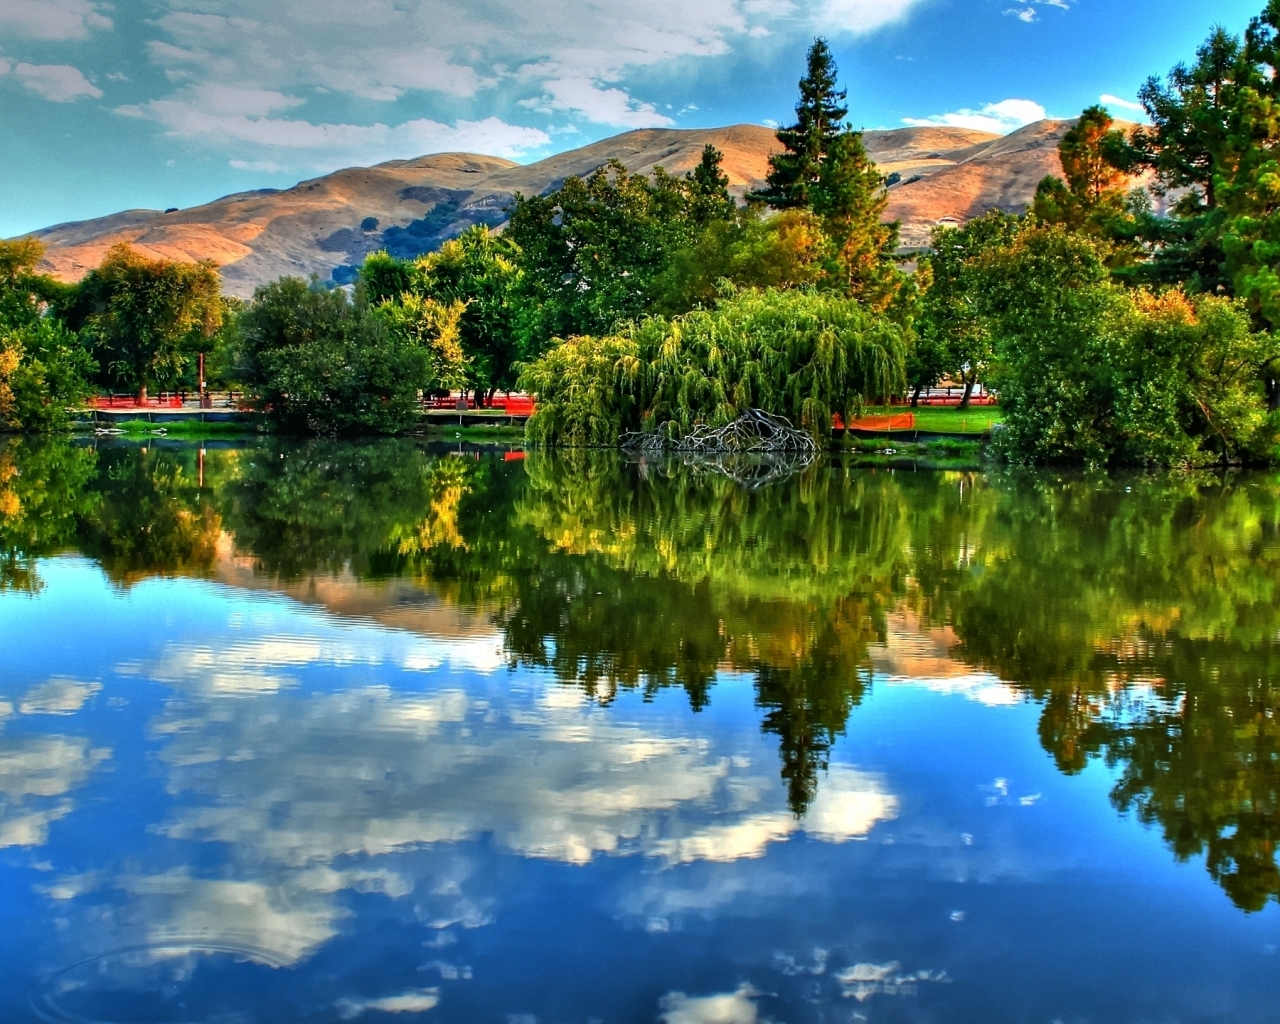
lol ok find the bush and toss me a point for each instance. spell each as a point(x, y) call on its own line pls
point(314, 361)
point(797, 354)
point(1089, 372)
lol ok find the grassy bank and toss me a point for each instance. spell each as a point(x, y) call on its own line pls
point(192, 430)
point(947, 419)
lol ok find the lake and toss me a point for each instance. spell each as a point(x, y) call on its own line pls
point(385, 732)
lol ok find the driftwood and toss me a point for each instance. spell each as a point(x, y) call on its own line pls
point(755, 432)
point(755, 450)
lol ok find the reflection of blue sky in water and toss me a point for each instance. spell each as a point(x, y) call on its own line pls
point(262, 809)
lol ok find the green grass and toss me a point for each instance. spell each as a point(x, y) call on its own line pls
point(496, 433)
point(947, 419)
point(192, 429)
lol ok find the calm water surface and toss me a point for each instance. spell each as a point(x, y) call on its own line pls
point(332, 732)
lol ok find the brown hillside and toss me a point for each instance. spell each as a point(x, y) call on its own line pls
point(326, 226)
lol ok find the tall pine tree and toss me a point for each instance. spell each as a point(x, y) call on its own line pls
point(850, 197)
point(819, 122)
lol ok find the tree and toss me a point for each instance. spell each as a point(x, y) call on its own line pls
point(142, 313)
point(590, 254)
point(707, 187)
point(820, 115)
point(315, 361)
point(1094, 193)
point(44, 368)
point(1088, 371)
point(476, 269)
point(802, 355)
point(1192, 145)
point(749, 250)
point(850, 197)
point(953, 337)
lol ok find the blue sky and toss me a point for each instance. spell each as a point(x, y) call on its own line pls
point(155, 103)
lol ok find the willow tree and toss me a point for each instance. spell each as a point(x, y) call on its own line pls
point(804, 355)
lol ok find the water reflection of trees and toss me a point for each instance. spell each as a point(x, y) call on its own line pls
point(1141, 614)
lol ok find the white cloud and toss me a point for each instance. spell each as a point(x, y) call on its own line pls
point(200, 114)
point(58, 696)
point(1000, 118)
point(861, 15)
point(723, 1008)
point(569, 57)
point(1027, 14)
point(1107, 100)
point(60, 83)
point(51, 19)
point(417, 1000)
point(600, 106)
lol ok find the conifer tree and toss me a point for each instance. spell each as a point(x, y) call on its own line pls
point(820, 117)
point(850, 197)
point(708, 189)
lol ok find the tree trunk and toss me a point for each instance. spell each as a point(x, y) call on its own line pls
point(488, 398)
point(970, 379)
point(915, 397)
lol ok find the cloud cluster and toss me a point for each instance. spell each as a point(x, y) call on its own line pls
point(1027, 12)
point(999, 118)
point(52, 19)
point(60, 83)
point(569, 60)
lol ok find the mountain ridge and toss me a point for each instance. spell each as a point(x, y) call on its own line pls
point(326, 225)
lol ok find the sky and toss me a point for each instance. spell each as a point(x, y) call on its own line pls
point(108, 105)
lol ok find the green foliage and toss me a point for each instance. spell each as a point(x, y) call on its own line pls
point(476, 269)
point(315, 361)
point(145, 315)
point(820, 114)
point(802, 355)
point(1094, 198)
point(748, 250)
point(44, 368)
point(1089, 372)
point(953, 337)
point(850, 196)
point(591, 252)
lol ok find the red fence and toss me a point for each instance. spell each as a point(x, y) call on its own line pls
point(131, 402)
point(512, 405)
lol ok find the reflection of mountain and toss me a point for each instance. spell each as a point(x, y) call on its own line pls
point(1142, 615)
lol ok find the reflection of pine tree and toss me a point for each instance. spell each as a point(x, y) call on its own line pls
point(807, 707)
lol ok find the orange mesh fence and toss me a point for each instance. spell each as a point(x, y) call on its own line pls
point(902, 421)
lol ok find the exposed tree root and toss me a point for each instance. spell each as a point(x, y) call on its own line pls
point(755, 432)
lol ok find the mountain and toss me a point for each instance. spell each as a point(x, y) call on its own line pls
point(327, 225)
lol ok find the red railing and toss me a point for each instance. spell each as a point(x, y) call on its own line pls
point(131, 402)
point(512, 405)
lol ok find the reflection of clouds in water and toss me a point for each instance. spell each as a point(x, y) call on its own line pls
point(414, 1001)
point(862, 981)
point(849, 804)
point(723, 1008)
point(35, 769)
point(985, 689)
point(59, 696)
point(305, 789)
point(269, 663)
